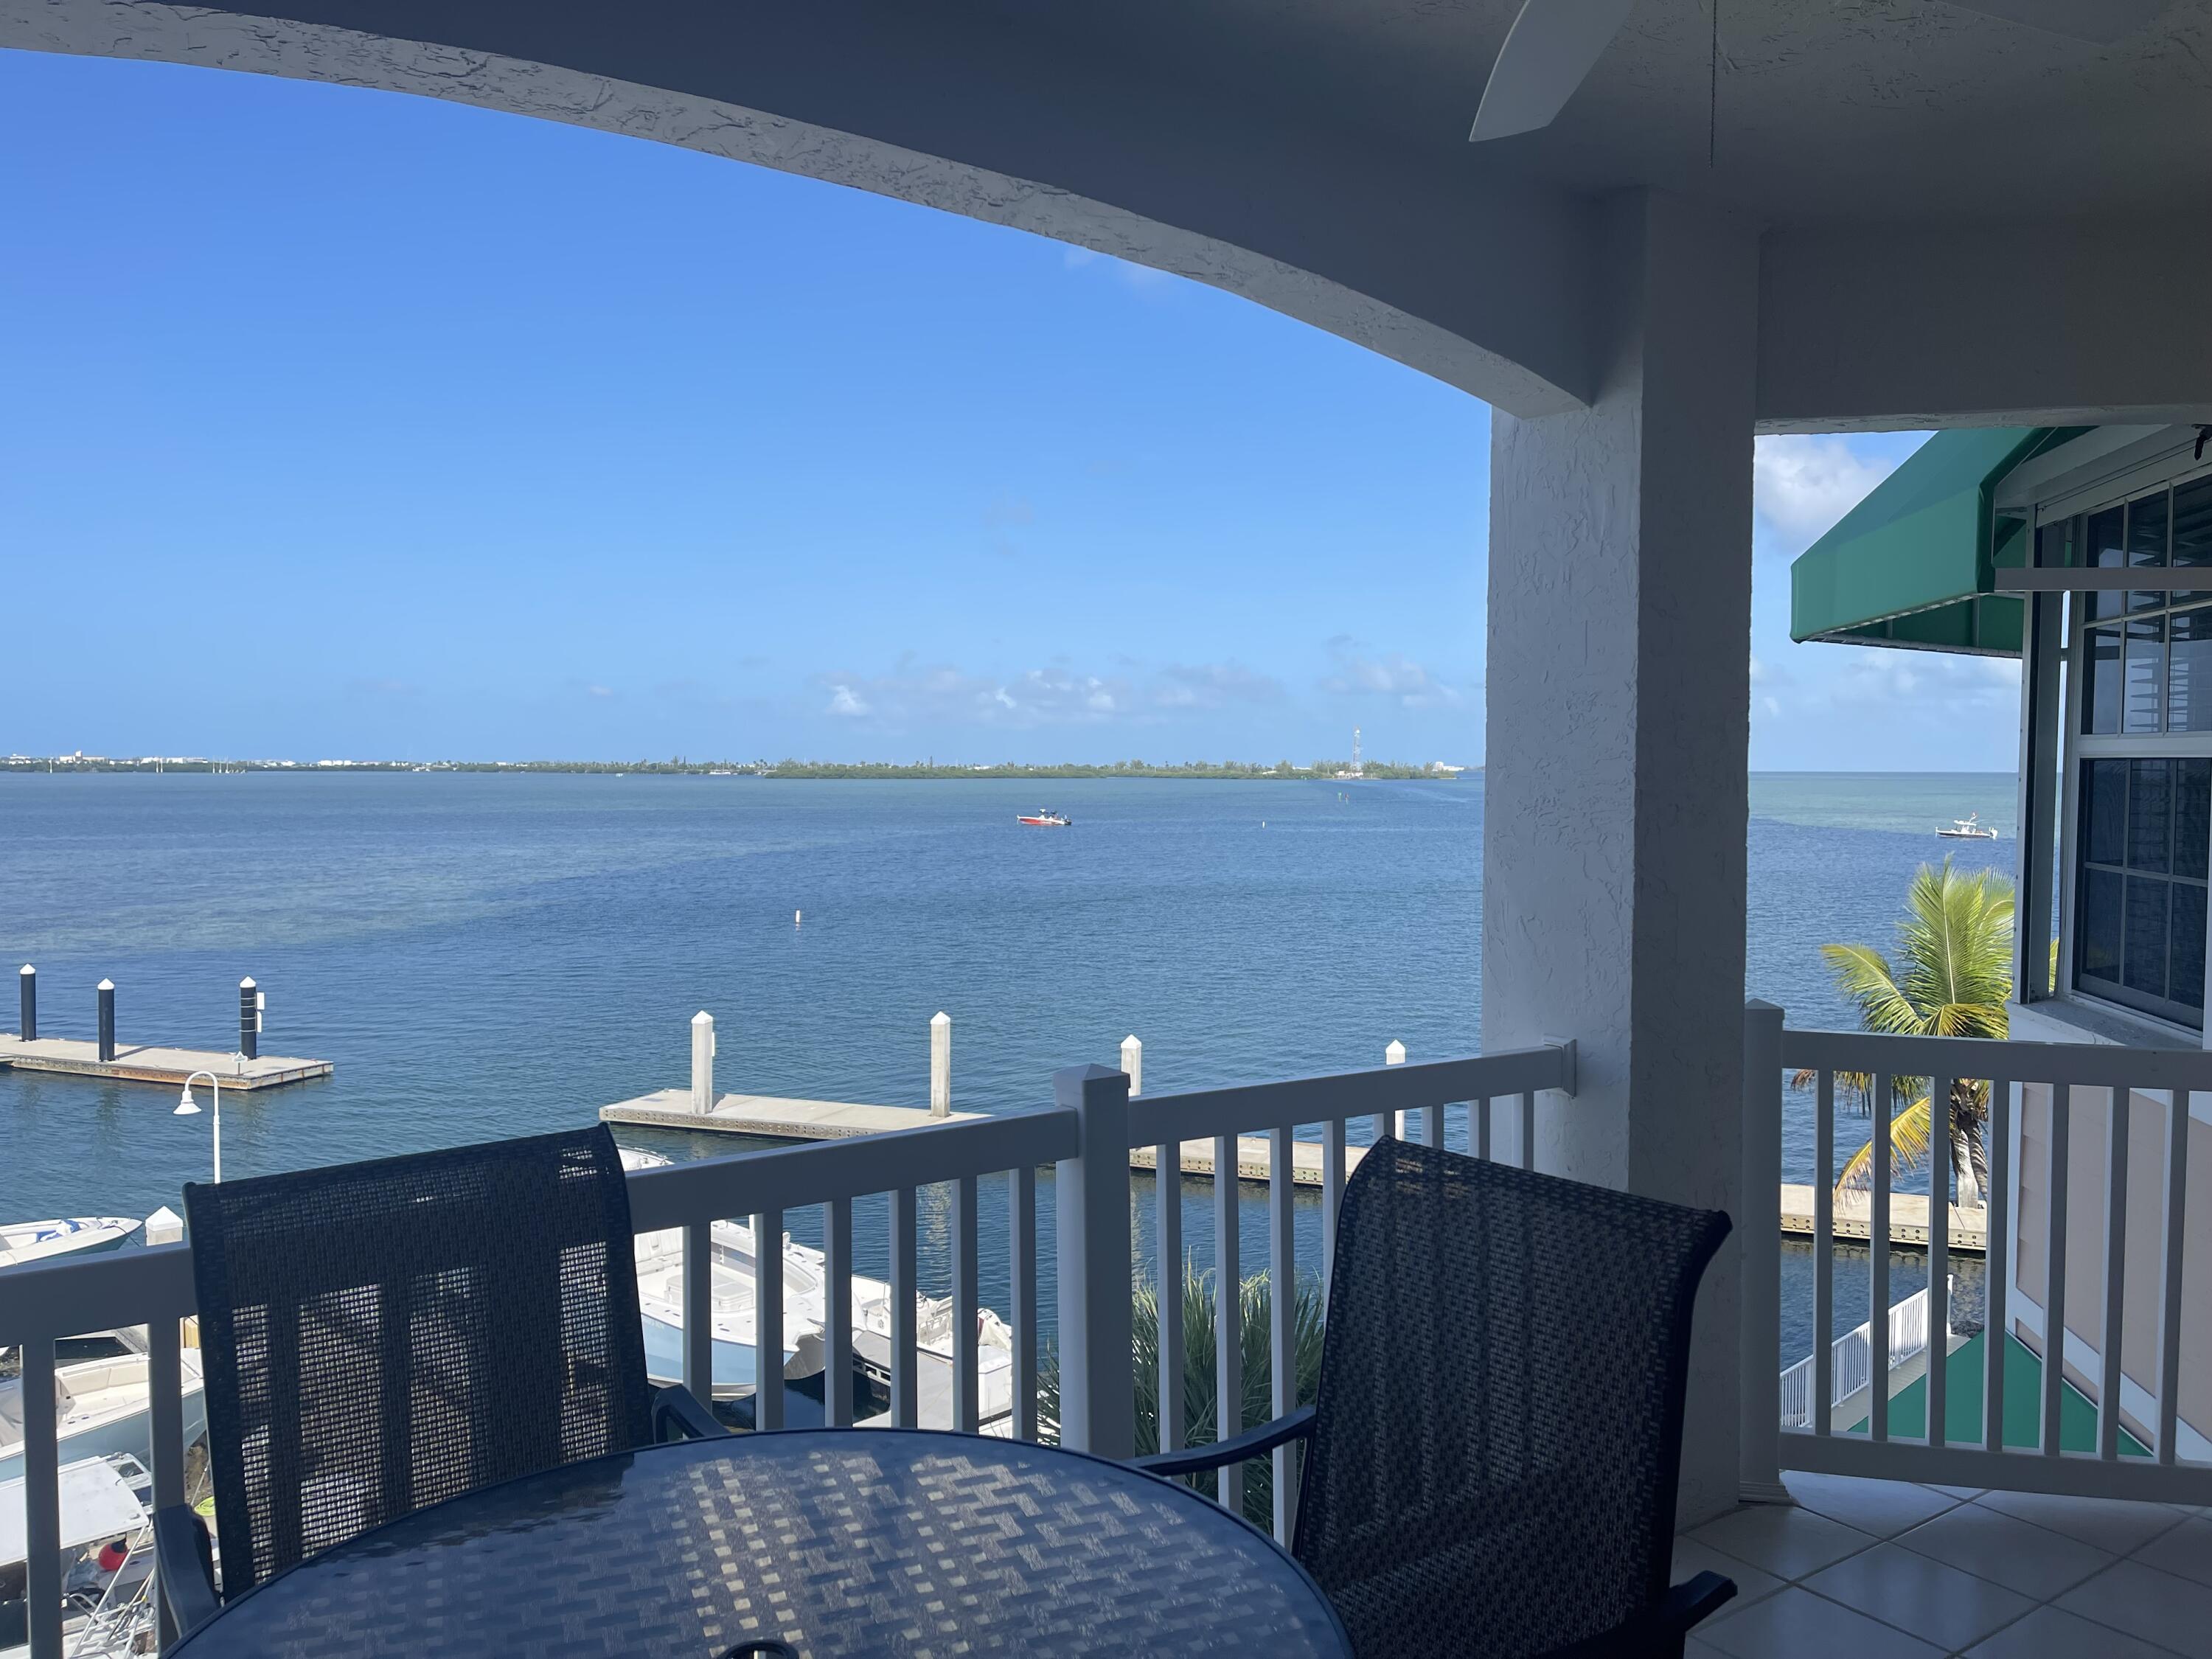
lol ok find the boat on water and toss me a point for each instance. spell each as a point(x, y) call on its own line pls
point(108, 1560)
point(101, 1398)
point(1969, 828)
point(806, 1311)
point(39, 1241)
point(1045, 820)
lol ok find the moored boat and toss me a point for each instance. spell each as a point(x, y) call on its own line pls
point(1045, 820)
point(39, 1241)
point(1969, 828)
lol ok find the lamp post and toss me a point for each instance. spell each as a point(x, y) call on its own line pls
point(188, 1106)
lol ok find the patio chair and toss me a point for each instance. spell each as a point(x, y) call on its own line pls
point(378, 1336)
point(1493, 1453)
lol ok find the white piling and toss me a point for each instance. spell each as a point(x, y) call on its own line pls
point(702, 1062)
point(165, 1226)
point(1133, 1062)
point(797, 917)
point(940, 1064)
point(1396, 1055)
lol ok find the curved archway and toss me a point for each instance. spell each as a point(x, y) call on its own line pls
point(1482, 286)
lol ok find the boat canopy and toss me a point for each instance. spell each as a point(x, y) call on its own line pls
point(97, 1504)
point(1913, 564)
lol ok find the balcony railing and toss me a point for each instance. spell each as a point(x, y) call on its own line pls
point(2137, 1102)
point(1087, 1136)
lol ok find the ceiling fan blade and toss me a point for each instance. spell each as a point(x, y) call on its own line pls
point(1552, 46)
point(2100, 22)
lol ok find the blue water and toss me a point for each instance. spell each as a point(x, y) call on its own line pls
point(486, 955)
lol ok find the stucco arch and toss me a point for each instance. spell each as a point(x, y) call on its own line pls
point(1484, 290)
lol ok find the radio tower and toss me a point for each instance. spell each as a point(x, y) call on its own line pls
point(1356, 771)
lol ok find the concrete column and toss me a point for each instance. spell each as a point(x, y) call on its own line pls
point(702, 1062)
point(1133, 1062)
point(1615, 805)
point(940, 1064)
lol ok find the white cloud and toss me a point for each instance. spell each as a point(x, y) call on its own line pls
point(1213, 686)
point(844, 701)
point(1926, 683)
point(913, 693)
point(1800, 486)
point(1392, 674)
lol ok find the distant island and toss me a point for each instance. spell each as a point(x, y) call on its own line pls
point(678, 766)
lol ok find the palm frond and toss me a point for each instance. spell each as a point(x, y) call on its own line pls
point(1908, 1149)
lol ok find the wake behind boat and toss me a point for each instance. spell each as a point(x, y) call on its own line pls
point(1045, 819)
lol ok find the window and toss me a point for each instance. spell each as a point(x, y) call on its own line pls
point(2144, 822)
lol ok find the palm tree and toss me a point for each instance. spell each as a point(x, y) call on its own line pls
point(1951, 978)
point(1254, 1305)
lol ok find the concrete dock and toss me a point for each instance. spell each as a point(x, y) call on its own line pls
point(1853, 1218)
point(770, 1117)
point(146, 1063)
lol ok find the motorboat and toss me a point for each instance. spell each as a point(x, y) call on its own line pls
point(101, 1397)
point(1045, 820)
point(107, 1559)
point(39, 1241)
point(1968, 828)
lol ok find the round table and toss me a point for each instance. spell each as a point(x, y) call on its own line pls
point(835, 1543)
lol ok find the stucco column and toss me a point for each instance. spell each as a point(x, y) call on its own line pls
point(1615, 797)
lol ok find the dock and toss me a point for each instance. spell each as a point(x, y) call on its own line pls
point(1853, 1218)
point(148, 1063)
point(771, 1118)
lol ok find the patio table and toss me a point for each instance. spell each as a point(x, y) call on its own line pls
point(833, 1543)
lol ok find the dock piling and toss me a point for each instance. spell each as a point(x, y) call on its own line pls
point(1396, 1055)
point(29, 980)
point(940, 1064)
point(702, 1062)
point(249, 1019)
point(106, 1020)
point(1133, 1062)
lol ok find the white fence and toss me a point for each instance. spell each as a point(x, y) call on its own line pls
point(1851, 1360)
point(2148, 1092)
point(1087, 1134)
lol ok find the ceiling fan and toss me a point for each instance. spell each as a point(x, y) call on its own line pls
point(1553, 44)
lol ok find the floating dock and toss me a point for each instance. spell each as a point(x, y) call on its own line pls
point(1853, 1218)
point(771, 1118)
point(145, 1063)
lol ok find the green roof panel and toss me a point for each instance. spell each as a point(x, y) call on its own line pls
point(1911, 565)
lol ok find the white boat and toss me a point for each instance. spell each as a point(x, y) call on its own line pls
point(105, 1501)
point(37, 1241)
point(100, 1395)
point(1968, 828)
point(805, 1306)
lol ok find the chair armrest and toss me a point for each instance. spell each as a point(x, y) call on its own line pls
point(184, 1562)
point(674, 1407)
point(1659, 1627)
point(1197, 1460)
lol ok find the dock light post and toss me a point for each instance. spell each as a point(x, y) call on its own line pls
point(190, 1107)
point(29, 980)
point(107, 1019)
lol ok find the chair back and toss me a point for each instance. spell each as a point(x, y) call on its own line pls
point(378, 1336)
point(1499, 1422)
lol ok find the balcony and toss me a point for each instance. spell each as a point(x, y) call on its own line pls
point(1870, 1536)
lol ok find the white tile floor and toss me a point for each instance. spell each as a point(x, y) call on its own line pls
point(1872, 1569)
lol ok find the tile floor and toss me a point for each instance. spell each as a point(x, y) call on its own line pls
point(1882, 1569)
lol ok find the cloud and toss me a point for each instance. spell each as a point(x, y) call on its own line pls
point(1213, 686)
point(599, 691)
point(1927, 683)
point(1392, 674)
point(1055, 695)
point(1800, 486)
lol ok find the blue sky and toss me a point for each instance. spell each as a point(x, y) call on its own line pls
point(340, 423)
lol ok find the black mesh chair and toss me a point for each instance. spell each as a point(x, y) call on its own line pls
point(1493, 1450)
point(376, 1337)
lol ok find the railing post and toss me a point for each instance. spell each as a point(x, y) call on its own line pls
point(1098, 1384)
point(1758, 1236)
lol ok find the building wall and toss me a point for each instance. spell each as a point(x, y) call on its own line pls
point(2090, 1111)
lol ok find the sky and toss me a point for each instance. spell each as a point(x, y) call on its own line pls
point(341, 424)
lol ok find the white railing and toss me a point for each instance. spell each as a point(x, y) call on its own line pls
point(1851, 1360)
point(1088, 1134)
point(2145, 1094)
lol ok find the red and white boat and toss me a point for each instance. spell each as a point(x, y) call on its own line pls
point(1044, 820)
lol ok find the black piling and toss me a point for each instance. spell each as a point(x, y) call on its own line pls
point(29, 980)
point(107, 1019)
point(249, 1019)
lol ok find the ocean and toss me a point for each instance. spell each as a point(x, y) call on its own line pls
point(485, 955)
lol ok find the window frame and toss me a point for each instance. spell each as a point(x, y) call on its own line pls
point(2078, 747)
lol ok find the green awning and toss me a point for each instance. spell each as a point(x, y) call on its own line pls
point(1912, 564)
